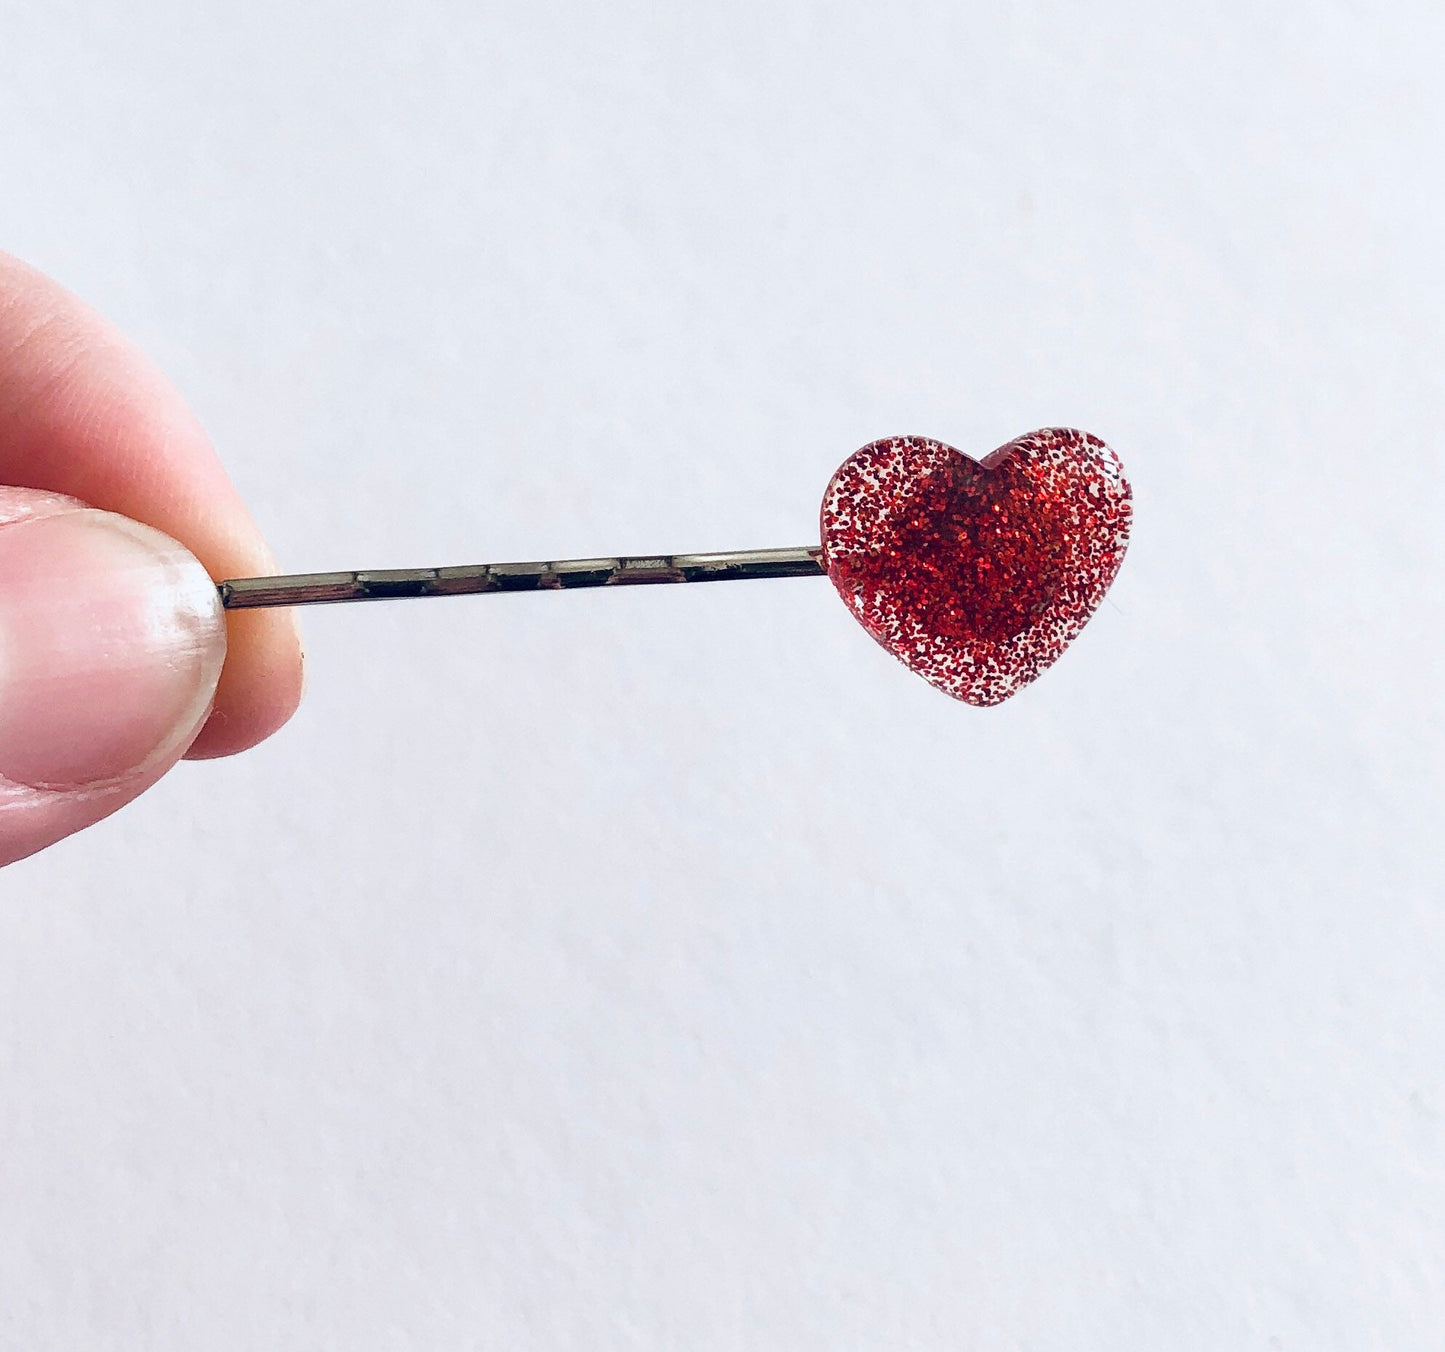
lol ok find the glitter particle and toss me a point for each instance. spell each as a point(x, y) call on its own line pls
point(977, 574)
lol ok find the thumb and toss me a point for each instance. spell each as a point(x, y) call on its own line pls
point(111, 642)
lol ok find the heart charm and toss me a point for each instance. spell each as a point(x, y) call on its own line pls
point(977, 574)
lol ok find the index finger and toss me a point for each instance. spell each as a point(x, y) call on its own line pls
point(83, 412)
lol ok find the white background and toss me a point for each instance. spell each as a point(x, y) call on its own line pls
point(669, 969)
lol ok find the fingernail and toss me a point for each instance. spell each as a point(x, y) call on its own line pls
point(111, 643)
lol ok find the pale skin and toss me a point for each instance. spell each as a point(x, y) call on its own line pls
point(115, 660)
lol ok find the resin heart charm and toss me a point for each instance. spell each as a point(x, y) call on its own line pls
point(977, 574)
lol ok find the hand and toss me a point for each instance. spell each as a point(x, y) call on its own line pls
point(115, 656)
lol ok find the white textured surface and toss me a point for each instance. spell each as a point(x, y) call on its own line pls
point(670, 969)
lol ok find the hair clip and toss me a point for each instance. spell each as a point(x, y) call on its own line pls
point(976, 574)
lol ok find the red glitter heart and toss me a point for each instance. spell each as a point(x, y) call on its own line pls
point(977, 574)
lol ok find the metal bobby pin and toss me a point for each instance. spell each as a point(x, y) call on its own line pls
point(308, 589)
